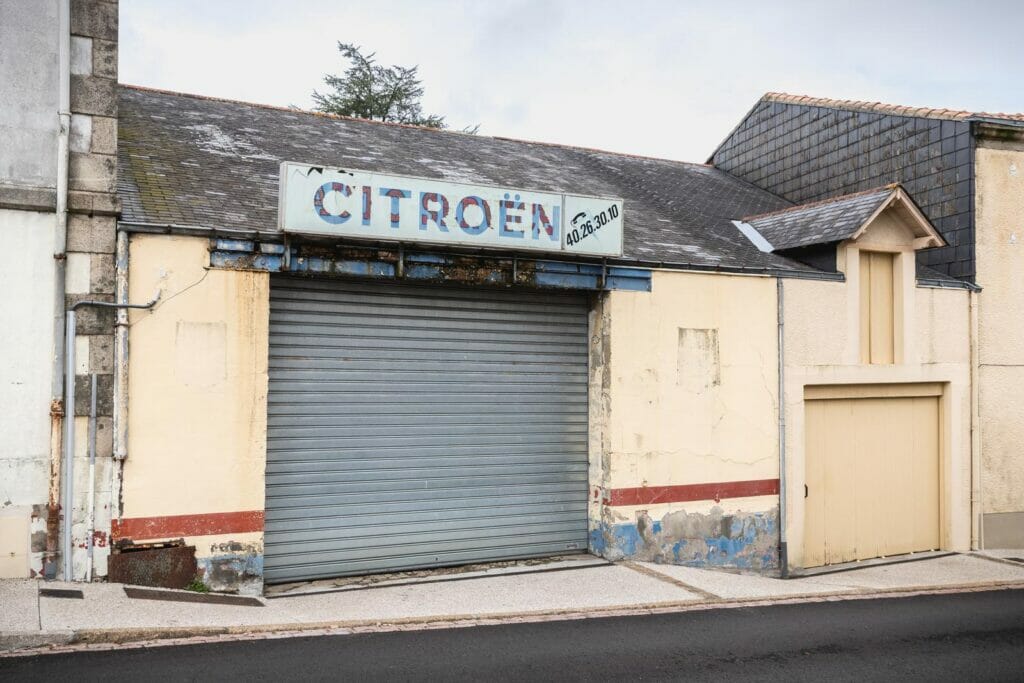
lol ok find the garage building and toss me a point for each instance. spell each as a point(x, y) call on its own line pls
point(309, 403)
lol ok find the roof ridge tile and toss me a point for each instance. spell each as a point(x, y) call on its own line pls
point(885, 108)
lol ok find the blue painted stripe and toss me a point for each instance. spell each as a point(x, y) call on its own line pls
point(749, 543)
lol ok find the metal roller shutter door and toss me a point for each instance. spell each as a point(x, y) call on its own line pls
point(414, 426)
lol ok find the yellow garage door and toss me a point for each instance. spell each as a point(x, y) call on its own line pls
point(872, 472)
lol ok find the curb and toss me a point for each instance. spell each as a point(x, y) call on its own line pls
point(19, 640)
point(20, 644)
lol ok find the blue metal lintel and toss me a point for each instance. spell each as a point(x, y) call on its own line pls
point(567, 280)
point(248, 255)
point(561, 267)
point(245, 261)
point(631, 279)
point(633, 284)
point(228, 244)
point(422, 272)
point(427, 258)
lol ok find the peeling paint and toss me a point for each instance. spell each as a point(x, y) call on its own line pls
point(38, 542)
point(233, 573)
point(236, 547)
point(698, 366)
point(740, 540)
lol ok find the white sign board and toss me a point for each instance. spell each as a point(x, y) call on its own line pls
point(325, 201)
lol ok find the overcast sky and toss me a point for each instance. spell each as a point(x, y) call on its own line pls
point(666, 79)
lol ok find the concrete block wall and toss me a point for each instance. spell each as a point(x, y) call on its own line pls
point(91, 241)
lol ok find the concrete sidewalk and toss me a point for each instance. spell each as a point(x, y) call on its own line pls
point(562, 588)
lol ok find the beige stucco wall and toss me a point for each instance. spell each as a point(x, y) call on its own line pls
point(999, 225)
point(681, 411)
point(197, 386)
point(687, 389)
point(822, 346)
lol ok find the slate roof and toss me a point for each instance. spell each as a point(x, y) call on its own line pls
point(204, 162)
point(807, 149)
point(830, 220)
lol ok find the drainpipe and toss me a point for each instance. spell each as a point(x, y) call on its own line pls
point(120, 373)
point(977, 534)
point(91, 504)
point(69, 443)
point(60, 231)
point(780, 312)
point(69, 423)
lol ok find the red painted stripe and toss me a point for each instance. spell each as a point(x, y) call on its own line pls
point(647, 495)
point(208, 524)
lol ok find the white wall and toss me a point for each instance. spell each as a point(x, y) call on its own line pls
point(28, 72)
point(26, 365)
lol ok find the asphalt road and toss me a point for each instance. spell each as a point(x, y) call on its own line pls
point(962, 637)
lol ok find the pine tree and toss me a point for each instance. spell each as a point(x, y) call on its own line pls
point(368, 90)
